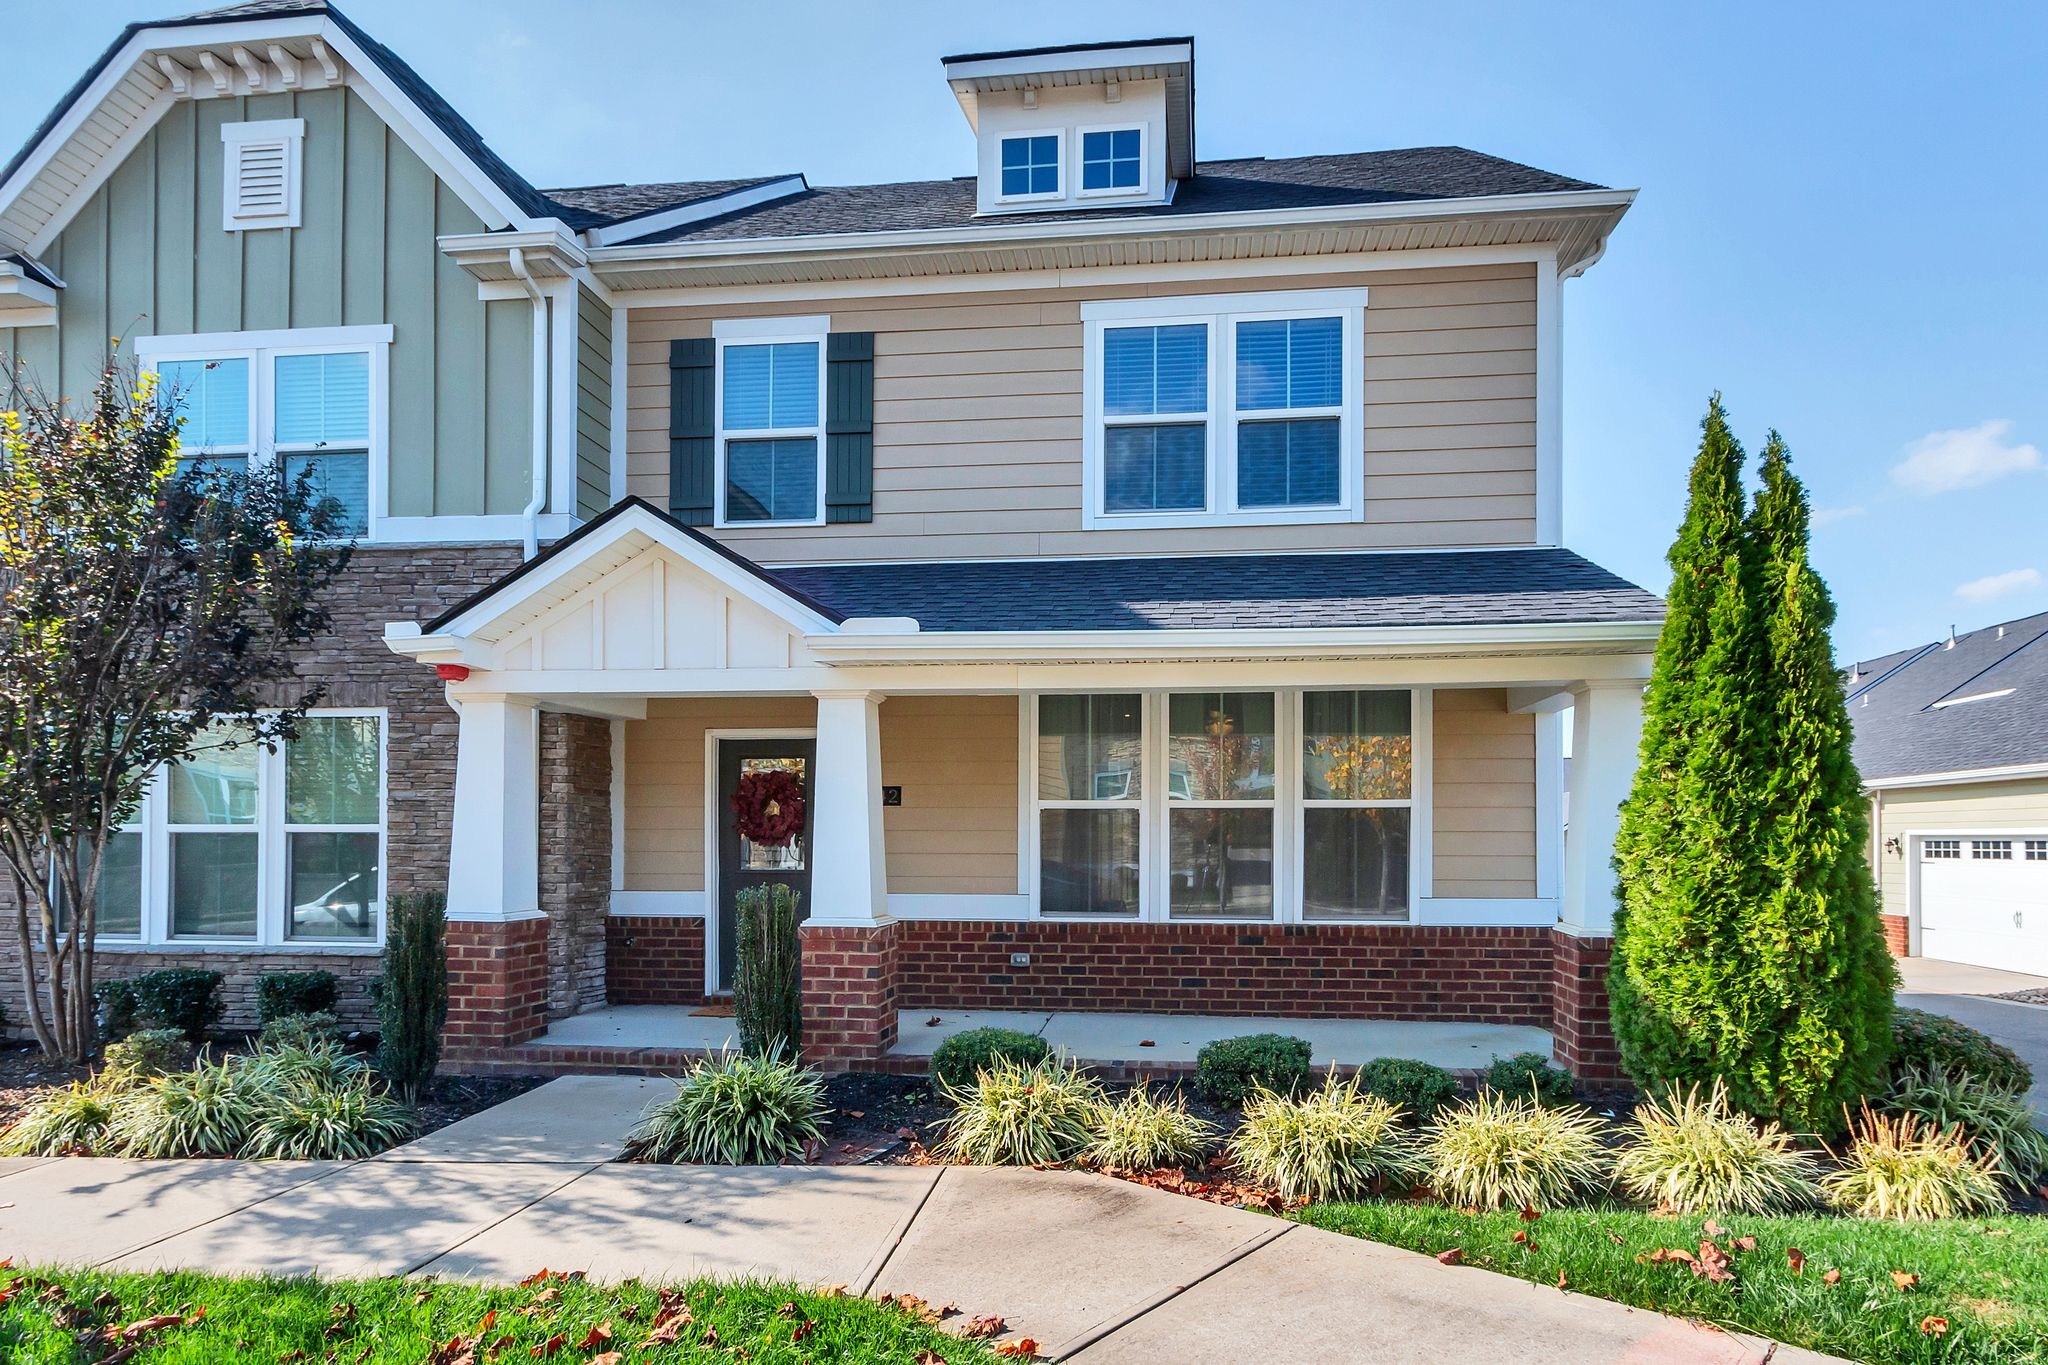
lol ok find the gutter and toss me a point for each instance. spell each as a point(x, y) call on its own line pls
point(529, 515)
point(2014, 772)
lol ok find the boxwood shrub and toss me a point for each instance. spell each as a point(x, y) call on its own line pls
point(1923, 1042)
point(1519, 1074)
point(1419, 1088)
point(183, 998)
point(283, 993)
point(1228, 1070)
point(960, 1058)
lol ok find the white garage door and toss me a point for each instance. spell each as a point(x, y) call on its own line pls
point(1984, 900)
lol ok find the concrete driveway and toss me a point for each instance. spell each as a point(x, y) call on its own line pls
point(1096, 1270)
point(1963, 994)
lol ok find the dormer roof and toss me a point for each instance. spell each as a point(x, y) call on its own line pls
point(1172, 60)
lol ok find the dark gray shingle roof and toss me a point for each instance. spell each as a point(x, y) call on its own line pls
point(1239, 591)
point(610, 203)
point(1414, 173)
point(1901, 733)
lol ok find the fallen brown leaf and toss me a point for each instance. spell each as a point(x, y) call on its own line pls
point(549, 1347)
point(932, 1022)
point(1560, 1279)
point(1712, 1228)
point(1796, 1258)
point(1023, 1348)
point(1904, 1279)
point(1451, 1257)
point(930, 1357)
point(595, 1337)
point(1934, 1326)
point(1529, 1213)
point(609, 1358)
point(1832, 1277)
point(1146, 1042)
point(980, 1329)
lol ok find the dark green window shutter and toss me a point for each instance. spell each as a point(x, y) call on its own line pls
point(849, 427)
point(692, 454)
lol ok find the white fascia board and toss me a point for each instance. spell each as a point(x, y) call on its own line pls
point(406, 638)
point(696, 211)
point(1023, 229)
point(550, 245)
point(22, 294)
point(2017, 772)
point(850, 647)
point(1089, 59)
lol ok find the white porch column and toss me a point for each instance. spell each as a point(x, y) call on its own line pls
point(494, 847)
point(1607, 728)
point(848, 885)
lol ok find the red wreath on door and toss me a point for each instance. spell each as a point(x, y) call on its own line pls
point(768, 807)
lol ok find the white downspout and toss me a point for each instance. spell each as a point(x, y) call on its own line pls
point(530, 514)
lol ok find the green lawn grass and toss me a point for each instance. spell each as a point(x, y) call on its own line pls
point(394, 1320)
point(1988, 1277)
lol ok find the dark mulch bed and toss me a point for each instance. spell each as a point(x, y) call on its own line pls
point(457, 1097)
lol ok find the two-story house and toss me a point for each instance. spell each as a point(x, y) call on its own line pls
point(1151, 567)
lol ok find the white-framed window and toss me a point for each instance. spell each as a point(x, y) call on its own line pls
point(1941, 848)
point(1252, 806)
point(771, 421)
point(262, 173)
point(1999, 850)
point(2037, 850)
point(1028, 166)
point(1224, 410)
point(246, 847)
point(1112, 161)
point(309, 401)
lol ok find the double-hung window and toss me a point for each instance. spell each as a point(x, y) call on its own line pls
point(1358, 798)
point(1231, 410)
point(306, 403)
point(1221, 754)
point(771, 387)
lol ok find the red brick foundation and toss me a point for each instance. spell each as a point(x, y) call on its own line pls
point(497, 985)
point(1582, 1038)
point(654, 960)
point(1356, 971)
point(851, 987)
point(1895, 935)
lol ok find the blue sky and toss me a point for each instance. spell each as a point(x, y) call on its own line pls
point(1840, 226)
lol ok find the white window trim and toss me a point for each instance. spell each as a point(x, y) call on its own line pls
point(273, 932)
point(1155, 810)
point(1059, 139)
point(261, 349)
point(1221, 313)
point(766, 332)
point(291, 134)
point(1137, 191)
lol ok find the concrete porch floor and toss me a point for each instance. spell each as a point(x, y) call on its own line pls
point(641, 1026)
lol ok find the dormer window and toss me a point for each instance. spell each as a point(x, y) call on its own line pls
point(1112, 161)
point(1031, 166)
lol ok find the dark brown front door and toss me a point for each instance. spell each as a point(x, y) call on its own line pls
point(742, 864)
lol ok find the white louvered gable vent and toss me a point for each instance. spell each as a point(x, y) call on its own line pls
point(261, 176)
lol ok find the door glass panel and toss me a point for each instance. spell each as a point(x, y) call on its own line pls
point(761, 857)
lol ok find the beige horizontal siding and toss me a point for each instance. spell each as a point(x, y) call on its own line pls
point(1483, 765)
point(1988, 807)
point(978, 402)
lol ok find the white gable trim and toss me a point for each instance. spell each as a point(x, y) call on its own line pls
point(696, 211)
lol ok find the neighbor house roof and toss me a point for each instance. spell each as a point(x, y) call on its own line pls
point(1977, 703)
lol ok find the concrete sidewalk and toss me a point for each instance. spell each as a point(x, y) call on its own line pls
point(1095, 1269)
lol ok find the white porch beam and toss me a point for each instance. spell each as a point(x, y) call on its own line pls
point(1539, 701)
point(494, 846)
point(1607, 732)
point(601, 707)
point(847, 854)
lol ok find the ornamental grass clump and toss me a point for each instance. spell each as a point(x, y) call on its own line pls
point(1901, 1168)
point(1140, 1132)
point(1997, 1119)
point(1332, 1143)
point(1506, 1151)
point(322, 1063)
point(1022, 1114)
point(734, 1109)
point(207, 1111)
point(333, 1119)
point(1690, 1152)
point(70, 1121)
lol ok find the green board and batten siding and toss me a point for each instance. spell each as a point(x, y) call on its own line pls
point(147, 256)
point(593, 404)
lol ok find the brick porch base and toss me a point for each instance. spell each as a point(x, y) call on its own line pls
point(1581, 1038)
point(497, 985)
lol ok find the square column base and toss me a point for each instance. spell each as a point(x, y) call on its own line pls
point(497, 984)
point(1582, 1035)
point(851, 978)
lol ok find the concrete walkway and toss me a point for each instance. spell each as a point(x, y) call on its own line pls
point(1963, 992)
point(1096, 1270)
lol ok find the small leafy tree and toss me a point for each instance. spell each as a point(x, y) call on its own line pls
point(145, 614)
point(767, 989)
point(413, 1005)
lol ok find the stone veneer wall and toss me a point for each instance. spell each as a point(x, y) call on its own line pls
point(575, 857)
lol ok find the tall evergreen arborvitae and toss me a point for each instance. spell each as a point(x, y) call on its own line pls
point(1817, 991)
point(1685, 852)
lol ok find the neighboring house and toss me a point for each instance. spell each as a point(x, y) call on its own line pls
point(1952, 743)
point(1151, 565)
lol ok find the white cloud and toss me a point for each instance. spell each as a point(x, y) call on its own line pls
point(1827, 516)
point(1995, 586)
point(1944, 461)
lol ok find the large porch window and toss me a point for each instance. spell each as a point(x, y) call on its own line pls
point(1225, 806)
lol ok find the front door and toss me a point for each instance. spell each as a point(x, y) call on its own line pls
point(742, 863)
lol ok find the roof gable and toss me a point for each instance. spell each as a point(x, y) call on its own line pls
point(1978, 703)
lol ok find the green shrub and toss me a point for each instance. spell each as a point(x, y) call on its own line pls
point(207, 1111)
point(323, 1062)
point(279, 994)
point(413, 1004)
point(1903, 1169)
point(1694, 1154)
point(1502, 1150)
point(1923, 1041)
point(1022, 1114)
point(960, 1058)
point(183, 998)
point(70, 1121)
point(116, 1001)
point(300, 1030)
point(1998, 1120)
point(149, 1052)
point(338, 1120)
point(1228, 1070)
point(735, 1109)
point(1139, 1132)
point(767, 994)
point(1332, 1143)
point(1531, 1072)
point(1419, 1088)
